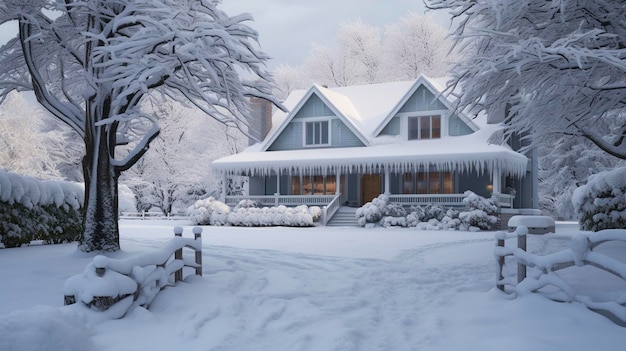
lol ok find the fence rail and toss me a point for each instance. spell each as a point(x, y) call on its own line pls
point(134, 281)
point(580, 253)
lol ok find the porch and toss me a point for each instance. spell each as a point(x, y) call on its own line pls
point(407, 200)
point(330, 204)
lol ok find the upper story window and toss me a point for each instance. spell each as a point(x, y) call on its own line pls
point(425, 127)
point(317, 133)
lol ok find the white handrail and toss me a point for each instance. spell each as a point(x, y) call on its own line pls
point(329, 210)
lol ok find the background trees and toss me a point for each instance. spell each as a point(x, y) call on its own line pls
point(33, 143)
point(363, 54)
point(176, 172)
point(94, 64)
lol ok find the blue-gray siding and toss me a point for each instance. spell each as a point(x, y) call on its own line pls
point(422, 100)
point(457, 126)
point(291, 137)
point(392, 128)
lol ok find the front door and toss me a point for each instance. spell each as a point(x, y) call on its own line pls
point(370, 187)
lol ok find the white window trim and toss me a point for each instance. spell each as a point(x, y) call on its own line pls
point(404, 122)
point(313, 120)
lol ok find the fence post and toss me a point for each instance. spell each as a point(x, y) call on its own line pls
point(197, 232)
point(178, 255)
point(521, 244)
point(501, 237)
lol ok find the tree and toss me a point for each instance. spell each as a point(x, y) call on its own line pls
point(563, 168)
point(287, 79)
point(363, 54)
point(22, 142)
point(94, 64)
point(551, 67)
point(330, 67)
point(364, 47)
point(417, 44)
point(175, 171)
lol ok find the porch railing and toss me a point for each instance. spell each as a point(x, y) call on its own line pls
point(278, 199)
point(455, 200)
point(329, 210)
point(506, 200)
point(427, 199)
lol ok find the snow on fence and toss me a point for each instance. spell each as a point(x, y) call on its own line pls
point(115, 286)
point(580, 253)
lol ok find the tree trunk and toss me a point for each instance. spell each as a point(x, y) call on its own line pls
point(100, 224)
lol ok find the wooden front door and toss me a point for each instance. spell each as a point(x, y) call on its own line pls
point(370, 187)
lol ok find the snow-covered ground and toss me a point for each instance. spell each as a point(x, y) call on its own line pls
point(320, 288)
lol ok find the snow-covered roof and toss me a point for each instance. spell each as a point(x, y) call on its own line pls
point(366, 109)
point(461, 153)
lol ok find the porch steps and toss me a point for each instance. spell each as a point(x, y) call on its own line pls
point(344, 217)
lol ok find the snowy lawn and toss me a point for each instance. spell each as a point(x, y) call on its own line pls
point(320, 288)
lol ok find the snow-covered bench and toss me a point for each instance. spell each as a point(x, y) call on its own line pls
point(535, 224)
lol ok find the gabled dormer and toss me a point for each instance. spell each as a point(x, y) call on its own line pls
point(423, 113)
point(322, 119)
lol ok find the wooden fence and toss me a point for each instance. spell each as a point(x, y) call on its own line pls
point(580, 253)
point(134, 281)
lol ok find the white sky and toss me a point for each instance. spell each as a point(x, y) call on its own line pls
point(288, 28)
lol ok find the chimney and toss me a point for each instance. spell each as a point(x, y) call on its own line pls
point(260, 119)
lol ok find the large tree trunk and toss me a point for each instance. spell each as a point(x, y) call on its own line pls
point(101, 230)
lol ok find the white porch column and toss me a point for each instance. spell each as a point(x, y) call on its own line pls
point(224, 180)
point(337, 182)
point(497, 176)
point(387, 181)
point(277, 193)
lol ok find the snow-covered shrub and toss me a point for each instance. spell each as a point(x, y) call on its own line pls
point(378, 209)
point(31, 209)
point(601, 203)
point(481, 212)
point(247, 203)
point(434, 212)
point(372, 212)
point(315, 212)
point(432, 224)
point(394, 210)
point(209, 211)
point(271, 216)
point(446, 218)
point(418, 213)
point(391, 221)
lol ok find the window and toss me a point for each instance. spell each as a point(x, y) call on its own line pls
point(425, 127)
point(428, 183)
point(317, 133)
point(316, 185)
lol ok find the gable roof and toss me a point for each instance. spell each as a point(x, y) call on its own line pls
point(339, 104)
point(436, 87)
point(366, 110)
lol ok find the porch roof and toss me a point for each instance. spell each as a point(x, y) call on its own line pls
point(459, 153)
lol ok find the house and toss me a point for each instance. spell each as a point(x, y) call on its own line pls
point(345, 146)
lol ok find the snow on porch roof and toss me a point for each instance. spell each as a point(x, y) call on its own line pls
point(460, 153)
